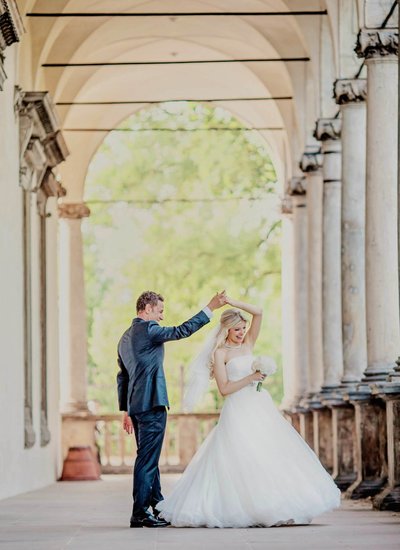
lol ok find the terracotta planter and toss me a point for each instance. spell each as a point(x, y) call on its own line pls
point(80, 465)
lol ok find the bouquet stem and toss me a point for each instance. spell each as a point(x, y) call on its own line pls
point(259, 386)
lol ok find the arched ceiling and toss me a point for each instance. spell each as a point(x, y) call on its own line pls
point(127, 39)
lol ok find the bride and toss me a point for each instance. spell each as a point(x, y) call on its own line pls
point(253, 469)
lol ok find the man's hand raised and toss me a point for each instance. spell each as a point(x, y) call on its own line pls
point(218, 300)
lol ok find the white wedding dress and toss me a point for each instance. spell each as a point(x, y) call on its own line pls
point(253, 469)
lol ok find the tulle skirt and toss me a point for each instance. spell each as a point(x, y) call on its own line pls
point(253, 469)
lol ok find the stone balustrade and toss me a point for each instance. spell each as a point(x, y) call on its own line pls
point(184, 434)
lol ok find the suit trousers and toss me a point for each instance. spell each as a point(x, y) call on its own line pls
point(149, 427)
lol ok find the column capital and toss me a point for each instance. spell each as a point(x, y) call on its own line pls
point(327, 128)
point(375, 43)
point(73, 210)
point(350, 90)
point(311, 161)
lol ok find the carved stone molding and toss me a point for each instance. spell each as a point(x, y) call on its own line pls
point(39, 120)
point(348, 90)
point(377, 43)
point(11, 29)
point(42, 146)
point(296, 186)
point(50, 187)
point(311, 161)
point(327, 128)
point(11, 26)
point(73, 210)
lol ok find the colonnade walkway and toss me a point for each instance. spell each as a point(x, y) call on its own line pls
point(94, 515)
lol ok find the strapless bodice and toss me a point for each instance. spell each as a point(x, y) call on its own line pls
point(239, 367)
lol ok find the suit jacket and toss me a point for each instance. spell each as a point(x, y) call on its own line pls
point(141, 379)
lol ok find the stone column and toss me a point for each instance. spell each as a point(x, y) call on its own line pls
point(311, 166)
point(297, 191)
point(288, 355)
point(373, 433)
point(351, 95)
point(73, 330)
point(379, 47)
point(328, 132)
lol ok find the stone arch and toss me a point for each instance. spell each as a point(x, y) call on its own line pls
point(199, 37)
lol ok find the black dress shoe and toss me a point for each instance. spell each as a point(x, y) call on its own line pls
point(148, 520)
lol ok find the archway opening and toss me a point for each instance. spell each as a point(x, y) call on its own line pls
point(183, 201)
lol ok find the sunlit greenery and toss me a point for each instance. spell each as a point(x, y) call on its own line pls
point(184, 214)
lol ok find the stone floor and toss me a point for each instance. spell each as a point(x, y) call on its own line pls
point(94, 516)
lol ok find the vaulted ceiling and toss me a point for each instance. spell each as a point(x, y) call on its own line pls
point(308, 45)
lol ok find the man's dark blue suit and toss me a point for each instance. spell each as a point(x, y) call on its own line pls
point(142, 392)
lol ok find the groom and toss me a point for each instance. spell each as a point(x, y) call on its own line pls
point(142, 394)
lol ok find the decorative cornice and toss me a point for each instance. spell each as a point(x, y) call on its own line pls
point(55, 148)
point(311, 161)
point(11, 27)
point(377, 43)
point(296, 186)
point(348, 90)
point(42, 146)
point(73, 210)
point(39, 107)
point(327, 128)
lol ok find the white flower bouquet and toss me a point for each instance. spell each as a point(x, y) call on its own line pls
point(264, 364)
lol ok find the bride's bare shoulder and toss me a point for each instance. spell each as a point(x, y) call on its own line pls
point(220, 355)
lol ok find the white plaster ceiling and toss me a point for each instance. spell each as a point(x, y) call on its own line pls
point(106, 39)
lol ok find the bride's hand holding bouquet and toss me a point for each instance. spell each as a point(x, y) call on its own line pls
point(265, 366)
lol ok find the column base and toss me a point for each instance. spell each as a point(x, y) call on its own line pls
point(388, 499)
point(322, 429)
point(344, 481)
point(307, 426)
point(344, 437)
point(366, 488)
point(330, 395)
point(378, 373)
point(370, 443)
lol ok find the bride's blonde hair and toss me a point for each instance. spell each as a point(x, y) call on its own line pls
point(229, 319)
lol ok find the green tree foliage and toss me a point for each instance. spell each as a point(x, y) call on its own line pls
point(185, 214)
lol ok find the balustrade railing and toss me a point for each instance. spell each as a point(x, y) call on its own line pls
point(183, 436)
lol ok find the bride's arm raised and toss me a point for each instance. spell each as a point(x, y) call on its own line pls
point(255, 326)
point(226, 386)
